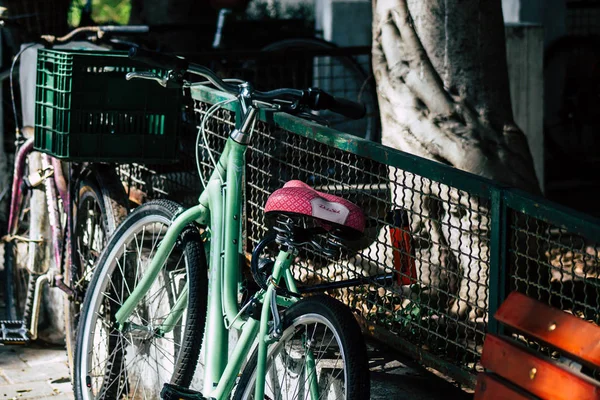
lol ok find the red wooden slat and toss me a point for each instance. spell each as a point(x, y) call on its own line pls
point(577, 337)
point(490, 388)
point(542, 378)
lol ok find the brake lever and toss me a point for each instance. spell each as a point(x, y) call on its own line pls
point(295, 108)
point(287, 106)
point(149, 76)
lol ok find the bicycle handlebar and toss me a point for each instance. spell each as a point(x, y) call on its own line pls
point(171, 62)
point(314, 98)
point(339, 105)
point(99, 30)
point(125, 28)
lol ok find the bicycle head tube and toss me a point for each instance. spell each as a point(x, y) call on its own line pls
point(243, 134)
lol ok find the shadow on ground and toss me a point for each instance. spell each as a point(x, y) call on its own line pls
point(396, 377)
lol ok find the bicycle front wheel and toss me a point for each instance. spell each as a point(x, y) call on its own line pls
point(317, 330)
point(136, 361)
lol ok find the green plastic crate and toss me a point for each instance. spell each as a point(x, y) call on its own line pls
point(85, 109)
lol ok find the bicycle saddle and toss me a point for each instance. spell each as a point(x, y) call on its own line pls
point(297, 198)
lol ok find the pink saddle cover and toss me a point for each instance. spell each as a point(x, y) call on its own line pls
point(297, 197)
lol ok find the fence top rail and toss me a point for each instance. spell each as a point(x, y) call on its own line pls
point(515, 199)
point(563, 217)
point(361, 147)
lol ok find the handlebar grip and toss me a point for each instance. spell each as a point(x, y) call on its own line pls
point(321, 100)
point(158, 60)
point(125, 28)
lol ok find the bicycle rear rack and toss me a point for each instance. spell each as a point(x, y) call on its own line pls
point(14, 332)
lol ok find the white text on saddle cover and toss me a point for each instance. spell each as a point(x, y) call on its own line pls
point(333, 212)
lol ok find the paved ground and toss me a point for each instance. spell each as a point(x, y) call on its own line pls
point(34, 372)
point(40, 372)
point(396, 377)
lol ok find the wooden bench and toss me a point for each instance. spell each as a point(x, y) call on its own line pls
point(514, 371)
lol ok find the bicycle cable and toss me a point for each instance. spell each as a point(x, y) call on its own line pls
point(201, 128)
point(202, 131)
point(207, 82)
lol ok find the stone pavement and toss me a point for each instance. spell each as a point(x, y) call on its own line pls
point(35, 371)
point(40, 372)
point(397, 377)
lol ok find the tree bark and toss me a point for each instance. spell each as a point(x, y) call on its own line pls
point(442, 83)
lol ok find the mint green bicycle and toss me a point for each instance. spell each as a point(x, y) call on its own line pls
point(169, 280)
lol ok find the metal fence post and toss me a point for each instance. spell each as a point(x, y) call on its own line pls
point(498, 256)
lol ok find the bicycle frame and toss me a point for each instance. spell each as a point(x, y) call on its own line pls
point(59, 184)
point(219, 208)
point(49, 167)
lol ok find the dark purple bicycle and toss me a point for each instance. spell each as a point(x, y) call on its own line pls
point(60, 217)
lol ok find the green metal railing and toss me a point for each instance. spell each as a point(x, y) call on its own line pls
point(472, 240)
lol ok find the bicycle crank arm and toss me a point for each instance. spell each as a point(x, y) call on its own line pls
point(59, 283)
point(16, 332)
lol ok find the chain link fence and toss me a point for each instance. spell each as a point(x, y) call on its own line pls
point(432, 292)
point(470, 241)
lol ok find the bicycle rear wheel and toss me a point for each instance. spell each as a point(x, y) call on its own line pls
point(319, 329)
point(99, 206)
point(136, 361)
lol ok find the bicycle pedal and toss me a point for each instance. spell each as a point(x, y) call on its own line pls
point(174, 392)
point(14, 332)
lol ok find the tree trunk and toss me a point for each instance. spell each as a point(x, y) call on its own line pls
point(442, 84)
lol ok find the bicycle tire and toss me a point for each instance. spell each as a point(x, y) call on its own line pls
point(19, 285)
point(339, 75)
point(337, 318)
point(99, 206)
point(107, 288)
